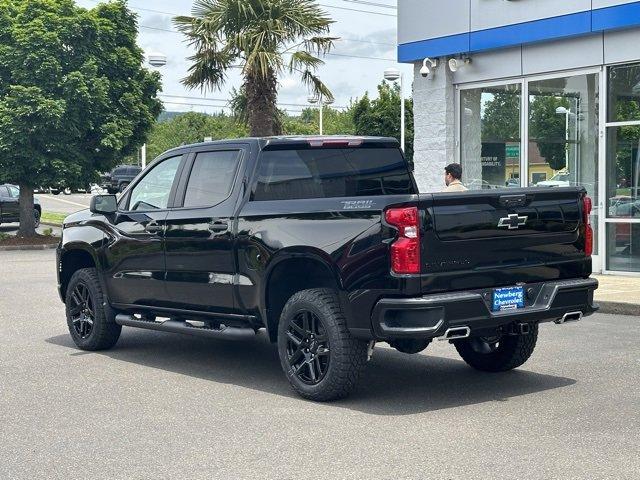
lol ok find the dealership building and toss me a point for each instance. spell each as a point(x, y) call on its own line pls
point(532, 92)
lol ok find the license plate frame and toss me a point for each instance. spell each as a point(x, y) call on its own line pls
point(507, 299)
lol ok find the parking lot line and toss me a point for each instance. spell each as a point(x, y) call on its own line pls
point(66, 201)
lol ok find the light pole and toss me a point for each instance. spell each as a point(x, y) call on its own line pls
point(393, 75)
point(156, 60)
point(567, 113)
point(318, 99)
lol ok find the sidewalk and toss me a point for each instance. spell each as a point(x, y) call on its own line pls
point(620, 295)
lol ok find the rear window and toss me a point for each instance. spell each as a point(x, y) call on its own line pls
point(327, 173)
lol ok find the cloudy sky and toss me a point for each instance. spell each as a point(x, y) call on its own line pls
point(367, 46)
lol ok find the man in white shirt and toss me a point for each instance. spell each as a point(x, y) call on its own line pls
point(453, 178)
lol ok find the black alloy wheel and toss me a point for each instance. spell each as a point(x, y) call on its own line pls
point(81, 310)
point(308, 351)
point(36, 217)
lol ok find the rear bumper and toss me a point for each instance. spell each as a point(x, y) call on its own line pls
point(431, 315)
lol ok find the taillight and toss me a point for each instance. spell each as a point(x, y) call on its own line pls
point(587, 206)
point(405, 251)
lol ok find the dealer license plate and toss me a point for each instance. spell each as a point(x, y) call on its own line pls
point(510, 298)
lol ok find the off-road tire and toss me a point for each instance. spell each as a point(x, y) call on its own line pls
point(512, 352)
point(347, 355)
point(105, 332)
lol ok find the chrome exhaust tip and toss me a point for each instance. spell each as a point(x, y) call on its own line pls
point(569, 317)
point(455, 333)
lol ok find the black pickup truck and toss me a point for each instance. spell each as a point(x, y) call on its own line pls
point(326, 244)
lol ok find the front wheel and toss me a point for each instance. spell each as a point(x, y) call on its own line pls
point(36, 217)
point(90, 320)
point(123, 186)
point(321, 359)
point(499, 353)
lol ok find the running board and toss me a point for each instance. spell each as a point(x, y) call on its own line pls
point(176, 326)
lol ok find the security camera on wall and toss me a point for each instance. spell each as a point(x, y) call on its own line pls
point(427, 65)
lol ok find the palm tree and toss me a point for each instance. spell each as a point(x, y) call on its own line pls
point(264, 38)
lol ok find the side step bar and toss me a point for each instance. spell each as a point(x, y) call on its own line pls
point(176, 326)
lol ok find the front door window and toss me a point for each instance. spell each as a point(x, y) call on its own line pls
point(153, 191)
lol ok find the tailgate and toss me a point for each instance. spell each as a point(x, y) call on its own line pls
point(502, 237)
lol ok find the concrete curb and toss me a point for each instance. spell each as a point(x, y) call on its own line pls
point(12, 248)
point(619, 308)
point(51, 224)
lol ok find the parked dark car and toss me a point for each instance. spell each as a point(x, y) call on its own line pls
point(327, 245)
point(120, 178)
point(10, 205)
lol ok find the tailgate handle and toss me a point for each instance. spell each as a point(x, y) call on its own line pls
point(513, 200)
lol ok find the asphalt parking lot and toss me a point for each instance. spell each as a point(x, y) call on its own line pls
point(64, 203)
point(168, 406)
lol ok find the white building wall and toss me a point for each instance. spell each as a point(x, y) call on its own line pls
point(434, 117)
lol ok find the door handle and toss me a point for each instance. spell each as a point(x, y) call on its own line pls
point(217, 226)
point(153, 228)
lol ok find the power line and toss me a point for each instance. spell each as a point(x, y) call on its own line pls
point(173, 14)
point(372, 4)
point(190, 97)
point(330, 54)
point(357, 10)
point(340, 39)
point(188, 104)
point(321, 4)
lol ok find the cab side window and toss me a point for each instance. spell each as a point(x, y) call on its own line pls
point(153, 191)
point(4, 192)
point(211, 178)
point(13, 192)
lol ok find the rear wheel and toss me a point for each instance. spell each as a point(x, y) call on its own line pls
point(499, 353)
point(90, 320)
point(321, 359)
point(36, 217)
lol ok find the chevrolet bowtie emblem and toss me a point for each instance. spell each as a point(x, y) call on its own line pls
point(512, 222)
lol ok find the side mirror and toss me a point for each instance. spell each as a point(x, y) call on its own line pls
point(104, 204)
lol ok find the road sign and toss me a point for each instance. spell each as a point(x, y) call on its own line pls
point(513, 151)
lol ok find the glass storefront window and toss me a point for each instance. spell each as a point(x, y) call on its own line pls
point(490, 136)
point(623, 247)
point(563, 135)
point(624, 93)
point(623, 171)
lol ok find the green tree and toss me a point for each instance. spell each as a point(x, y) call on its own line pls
point(265, 38)
point(548, 129)
point(381, 116)
point(189, 128)
point(335, 122)
point(73, 94)
point(501, 120)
